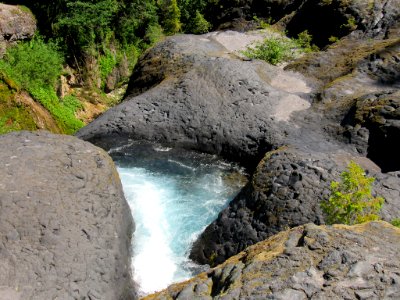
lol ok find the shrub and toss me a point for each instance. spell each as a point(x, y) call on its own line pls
point(33, 63)
point(351, 201)
point(304, 40)
point(107, 62)
point(273, 50)
point(154, 33)
point(63, 112)
point(396, 222)
point(200, 24)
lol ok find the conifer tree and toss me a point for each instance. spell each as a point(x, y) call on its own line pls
point(172, 15)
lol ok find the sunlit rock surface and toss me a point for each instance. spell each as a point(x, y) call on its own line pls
point(64, 222)
point(306, 262)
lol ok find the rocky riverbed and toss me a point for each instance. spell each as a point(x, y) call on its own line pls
point(66, 226)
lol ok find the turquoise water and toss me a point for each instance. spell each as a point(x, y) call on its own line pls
point(173, 195)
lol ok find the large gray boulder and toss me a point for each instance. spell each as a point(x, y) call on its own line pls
point(285, 191)
point(64, 222)
point(306, 262)
point(16, 23)
point(188, 91)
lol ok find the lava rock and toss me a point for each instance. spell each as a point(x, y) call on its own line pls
point(322, 19)
point(309, 261)
point(192, 92)
point(286, 190)
point(188, 92)
point(65, 224)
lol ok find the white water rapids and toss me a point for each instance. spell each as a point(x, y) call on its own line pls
point(173, 195)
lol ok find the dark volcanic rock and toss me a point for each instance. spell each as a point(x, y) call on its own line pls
point(285, 191)
point(306, 262)
point(357, 83)
point(65, 224)
point(204, 99)
point(322, 19)
point(192, 92)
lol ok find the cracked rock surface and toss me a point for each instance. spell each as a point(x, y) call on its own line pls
point(65, 224)
point(306, 262)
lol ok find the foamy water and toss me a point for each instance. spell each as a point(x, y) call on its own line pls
point(172, 201)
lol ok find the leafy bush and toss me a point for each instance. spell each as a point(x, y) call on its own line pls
point(154, 33)
point(107, 62)
point(32, 64)
point(273, 50)
point(200, 24)
point(396, 222)
point(304, 40)
point(64, 112)
point(351, 200)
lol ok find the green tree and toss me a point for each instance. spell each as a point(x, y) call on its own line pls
point(135, 19)
point(199, 24)
point(351, 199)
point(189, 9)
point(171, 16)
point(85, 23)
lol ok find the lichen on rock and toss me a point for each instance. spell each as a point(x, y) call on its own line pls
point(309, 261)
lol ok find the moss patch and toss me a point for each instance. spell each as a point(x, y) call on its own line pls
point(13, 116)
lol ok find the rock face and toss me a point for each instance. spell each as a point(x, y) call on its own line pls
point(322, 19)
point(318, 262)
point(65, 224)
point(16, 23)
point(285, 191)
point(203, 98)
point(196, 92)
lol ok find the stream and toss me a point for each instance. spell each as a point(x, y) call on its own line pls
point(173, 195)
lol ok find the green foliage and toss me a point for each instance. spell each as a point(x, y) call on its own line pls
point(351, 200)
point(71, 104)
point(189, 9)
point(171, 16)
point(154, 33)
point(200, 24)
point(136, 19)
point(396, 222)
point(13, 116)
point(85, 23)
point(273, 50)
point(63, 111)
point(333, 39)
point(32, 64)
point(304, 40)
point(262, 23)
point(107, 62)
point(351, 23)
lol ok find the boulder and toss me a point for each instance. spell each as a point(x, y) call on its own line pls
point(197, 92)
point(16, 23)
point(65, 224)
point(357, 83)
point(192, 92)
point(285, 191)
point(309, 261)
